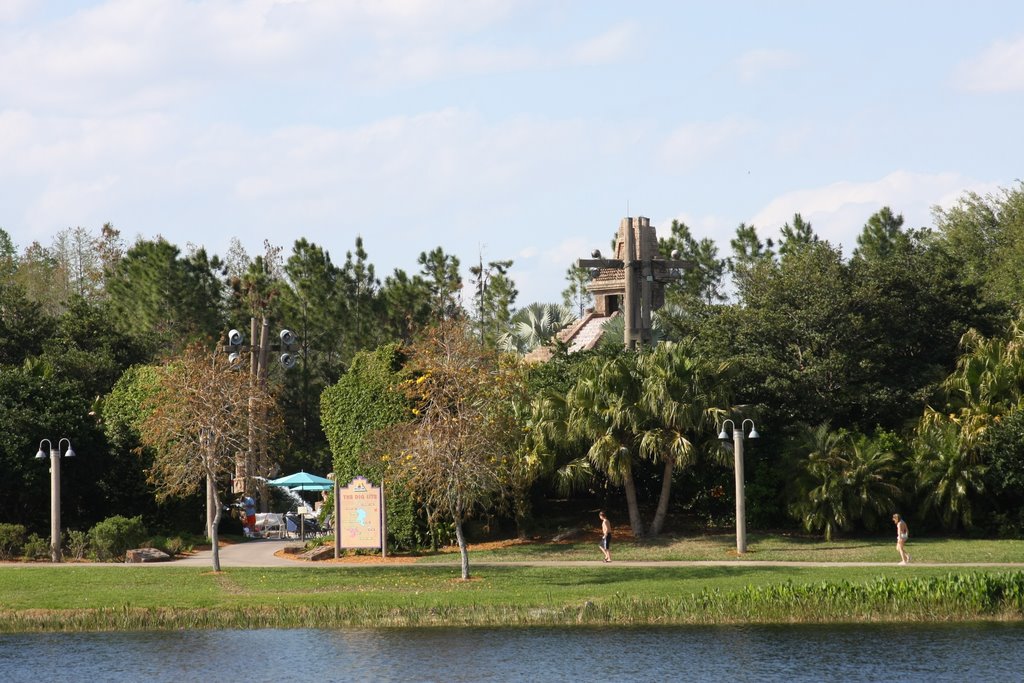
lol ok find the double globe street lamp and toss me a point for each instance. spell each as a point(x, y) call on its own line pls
point(55, 454)
point(737, 448)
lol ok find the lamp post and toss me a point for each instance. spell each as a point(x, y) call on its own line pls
point(55, 553)
point(737, 447)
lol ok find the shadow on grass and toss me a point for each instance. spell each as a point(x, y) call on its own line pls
point(579, 576)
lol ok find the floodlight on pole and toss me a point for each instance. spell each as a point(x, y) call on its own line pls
point(736, 435)
point(55, 455)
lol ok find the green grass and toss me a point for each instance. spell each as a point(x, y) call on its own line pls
point(108, 598)
point(763, 547)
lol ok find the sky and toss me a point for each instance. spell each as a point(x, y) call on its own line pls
point(498, 129)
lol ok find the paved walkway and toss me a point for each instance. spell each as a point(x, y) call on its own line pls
point(263, 553)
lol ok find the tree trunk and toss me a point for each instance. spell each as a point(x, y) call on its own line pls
point(666, 489)
point(214, 533)
point(210, 507)
point(635, 522)
point(463, 548)
point(522, 514)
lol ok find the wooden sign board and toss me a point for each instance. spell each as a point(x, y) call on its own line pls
point(361, 515)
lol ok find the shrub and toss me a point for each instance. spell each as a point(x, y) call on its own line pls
point(171, 546)
point(115, 536)
point(36, 547)
point(76, 543)
point(174, 546)
point(12, 539)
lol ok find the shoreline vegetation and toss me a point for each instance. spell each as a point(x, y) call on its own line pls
point(428, 593)
point(953, 597)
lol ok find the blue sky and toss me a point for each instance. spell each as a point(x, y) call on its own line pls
point(518, 129)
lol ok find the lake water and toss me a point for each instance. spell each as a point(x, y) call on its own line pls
point(974, 652)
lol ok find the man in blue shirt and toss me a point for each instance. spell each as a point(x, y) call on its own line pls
point(249, 505)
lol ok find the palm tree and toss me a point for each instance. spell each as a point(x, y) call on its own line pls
point(604, 407)
point(652, 405)
point(988, 382)
point(850, 479)
point(683, 398)
point(534, 326)
point(821, 508)
point(947, 473)
point(870, 493)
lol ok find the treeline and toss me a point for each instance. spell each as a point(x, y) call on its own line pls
point(888, 379)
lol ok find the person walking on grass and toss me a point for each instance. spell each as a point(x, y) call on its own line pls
point(902, 533)
point(606, 536)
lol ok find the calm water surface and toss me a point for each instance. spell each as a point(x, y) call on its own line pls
point(975, 653)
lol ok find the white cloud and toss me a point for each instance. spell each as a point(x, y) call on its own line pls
point(127, 55)
point(567, 251)
point(839, 210)
point(1000, 68)
point(13, 10)
point(753, 64)
point(610, 46)
point(690, 144)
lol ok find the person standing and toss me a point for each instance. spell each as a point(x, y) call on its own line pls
point(902, 534)
point(606, 536)
point(249, 505)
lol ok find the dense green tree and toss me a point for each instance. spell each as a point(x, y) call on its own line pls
point(406, 305)
point(912, 311)
point(576, 296)
point(368, 398)
point(703, 280)
point(684, 397)
point(127, 488)
point(747, 251)
point(313, 306)
point(359, 289)
point(43, 278)
point(1002, 452)
point(949, 460)
point(882, 236)
point(986, 235)
point(158, 295)
point(794, 238)
point(8, 257)
point(23, 325)
point(36, 405)
point(792, 337)
point(84, 347)
point(493, 297)
point(441, 273)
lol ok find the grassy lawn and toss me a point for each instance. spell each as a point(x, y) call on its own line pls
point(84, 587)
point(427, 592)
point(133, 598)
point(764, 547)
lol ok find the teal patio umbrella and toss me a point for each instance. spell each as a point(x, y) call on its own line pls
point(303, 481)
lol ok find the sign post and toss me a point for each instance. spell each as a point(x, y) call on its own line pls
point(360, 518)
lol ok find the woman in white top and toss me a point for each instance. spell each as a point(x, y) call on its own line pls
point(902, 533)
